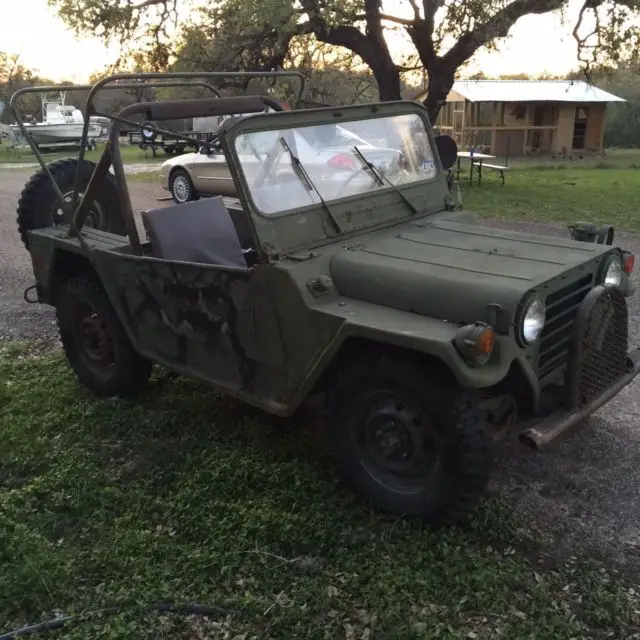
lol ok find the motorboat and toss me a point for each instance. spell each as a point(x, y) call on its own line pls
point(62, 125)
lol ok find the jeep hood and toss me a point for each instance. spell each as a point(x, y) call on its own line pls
point(452, 270)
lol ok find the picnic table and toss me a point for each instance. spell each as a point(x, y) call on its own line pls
point(477, 160)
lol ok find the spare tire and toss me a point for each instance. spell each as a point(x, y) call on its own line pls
point(149, 131)
point(40, 206)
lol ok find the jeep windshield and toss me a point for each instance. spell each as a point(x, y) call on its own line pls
point(395, 147)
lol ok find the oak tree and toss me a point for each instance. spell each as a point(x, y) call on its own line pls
point(444, 34)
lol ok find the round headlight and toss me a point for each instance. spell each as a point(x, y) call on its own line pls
point(532, 321)
point(613, 274)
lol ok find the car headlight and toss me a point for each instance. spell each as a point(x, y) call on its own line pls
point(532, 320)
point(613, 273)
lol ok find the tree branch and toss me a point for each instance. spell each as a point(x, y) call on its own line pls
point(416, 10)
point(342, 35)
point(497, 26)
point(430, 8)
point(146, 4)
point(407, 22)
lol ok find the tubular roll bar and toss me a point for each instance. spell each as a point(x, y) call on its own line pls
point(15, 110)
point(160, 111)
point(170, 110)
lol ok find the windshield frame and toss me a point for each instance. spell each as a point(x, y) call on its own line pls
point(290, 128)
point(272, 229)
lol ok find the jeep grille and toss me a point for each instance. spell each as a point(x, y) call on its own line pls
point(599, 354)
point(562, 310)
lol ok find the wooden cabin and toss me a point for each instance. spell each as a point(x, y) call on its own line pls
point(526, 117)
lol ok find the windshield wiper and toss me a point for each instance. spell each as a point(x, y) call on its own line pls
point(304, 177)
point(381, 179)
point(369, 165)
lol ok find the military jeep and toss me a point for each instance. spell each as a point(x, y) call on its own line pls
point(350, 274)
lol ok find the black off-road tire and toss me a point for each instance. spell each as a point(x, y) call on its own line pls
point(81, 306)
point(463, 454)
point(38, 200)
point(180, 175)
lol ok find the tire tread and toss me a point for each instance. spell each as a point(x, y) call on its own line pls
point(469, 450)
point(38, 197)
point(132, 370)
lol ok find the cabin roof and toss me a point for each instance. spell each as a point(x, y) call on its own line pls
point(532, 91)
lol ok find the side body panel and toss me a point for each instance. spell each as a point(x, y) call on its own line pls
point(217, 325)
point(204, 322)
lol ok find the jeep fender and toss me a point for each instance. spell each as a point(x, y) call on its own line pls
point(54, 259)
point(419, 334)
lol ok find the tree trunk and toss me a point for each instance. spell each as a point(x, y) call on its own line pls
point(388, 79)
point(440, 82)
point(384, 69)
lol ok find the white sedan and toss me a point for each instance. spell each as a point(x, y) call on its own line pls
point(323, 150)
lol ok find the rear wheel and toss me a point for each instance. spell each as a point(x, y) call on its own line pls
point(95, 342)
point(406, 442)
point(40, 206)
point(181, 186)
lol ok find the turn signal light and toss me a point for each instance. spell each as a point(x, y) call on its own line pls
point(485, 342)
point(628, 262)
point(475, 343)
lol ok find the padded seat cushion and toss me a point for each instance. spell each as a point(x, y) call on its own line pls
point(201, 231)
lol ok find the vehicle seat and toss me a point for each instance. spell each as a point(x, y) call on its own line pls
point(200, 231)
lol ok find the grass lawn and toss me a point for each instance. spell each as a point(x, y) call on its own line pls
point(144, 176)
point(562, 193)
point(188, 497)
point(130, 154)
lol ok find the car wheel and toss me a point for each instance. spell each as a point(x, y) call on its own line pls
point(407, 443)
point(95, 341)
point(181, 187)
point(40, 206)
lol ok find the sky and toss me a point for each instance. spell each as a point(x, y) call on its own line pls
point(539, 44)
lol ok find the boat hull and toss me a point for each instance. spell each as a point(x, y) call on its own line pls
point(54, 134)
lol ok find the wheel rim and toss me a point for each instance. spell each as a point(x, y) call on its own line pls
point(397, 442)
point(181, 188)
point(62, 214)
point(94, 340)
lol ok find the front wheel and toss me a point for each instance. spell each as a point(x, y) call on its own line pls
point(181, 187)
point(95, 342)
point(407, 443)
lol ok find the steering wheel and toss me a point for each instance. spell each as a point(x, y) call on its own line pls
point(353, 175)
point(394, 167)
point(253, 150)
point(273, 158)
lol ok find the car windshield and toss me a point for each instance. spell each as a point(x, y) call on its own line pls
point(336, 160)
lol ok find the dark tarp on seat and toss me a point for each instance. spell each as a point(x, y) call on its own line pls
point(199, 231)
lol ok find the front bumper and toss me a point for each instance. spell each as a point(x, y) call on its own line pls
point(163, 179)
point(539, 434)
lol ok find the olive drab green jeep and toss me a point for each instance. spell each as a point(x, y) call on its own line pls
point(342, 266)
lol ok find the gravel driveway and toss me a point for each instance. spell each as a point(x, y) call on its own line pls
point(582, 497)
point(19, 320)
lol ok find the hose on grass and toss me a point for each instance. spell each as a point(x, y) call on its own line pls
point(163, 607)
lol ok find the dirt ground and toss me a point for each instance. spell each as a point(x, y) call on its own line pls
point(582, 497)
